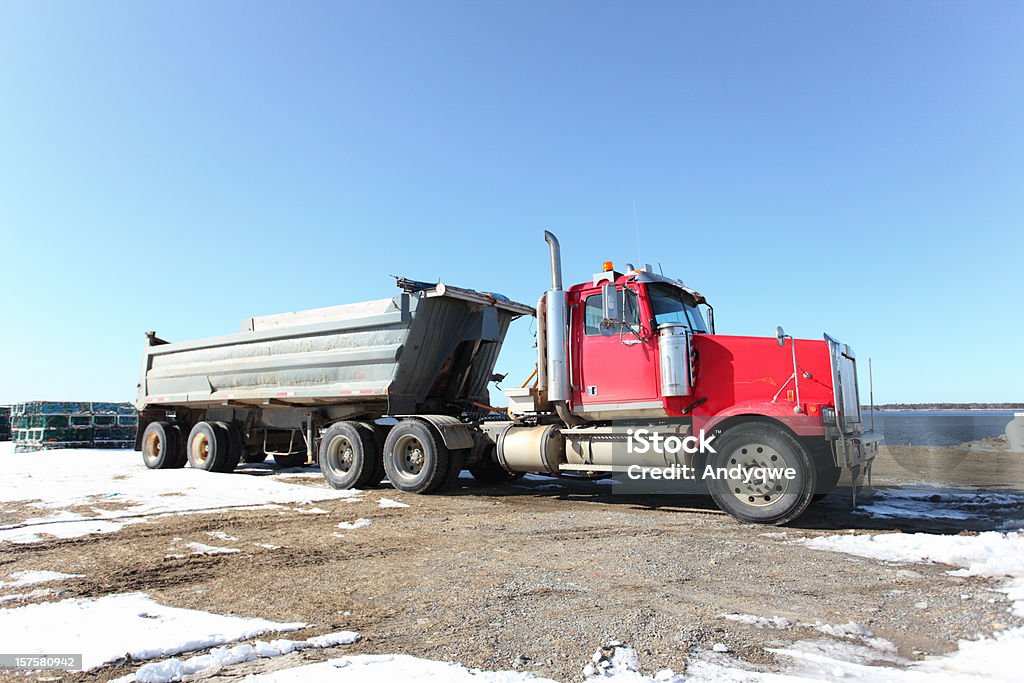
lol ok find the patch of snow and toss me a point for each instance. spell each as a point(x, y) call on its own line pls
point(851, 629)
point(388, 503)
point(63, 524)
point(221, 536)
point(358, 524)
point(132, 624)
point(268, 546)
point(31, 595)
point(759, 622)
point(404, 668)
point(27, 578)
point(939, 502)
point(311, 511)
point(990, 554)
point(175, 669)
point(59, 479)
point(203, 549)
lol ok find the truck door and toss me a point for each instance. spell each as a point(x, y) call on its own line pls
point(614, 369)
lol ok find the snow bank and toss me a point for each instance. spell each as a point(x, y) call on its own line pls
point(60, 479)
point(108, 628)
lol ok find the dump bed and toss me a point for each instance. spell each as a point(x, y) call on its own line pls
point(430, 346)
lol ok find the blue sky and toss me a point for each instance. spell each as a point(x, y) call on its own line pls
point(850, 167)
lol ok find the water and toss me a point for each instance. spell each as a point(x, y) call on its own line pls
point(937, 427)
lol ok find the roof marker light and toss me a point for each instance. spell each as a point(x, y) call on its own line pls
point(607, 266)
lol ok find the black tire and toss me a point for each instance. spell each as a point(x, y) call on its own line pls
point(490, 472)
point(348, 455)
point(234, 439)
point(292, 460)
point(456, 460)
point(415, 457)
point(253, 456)
point(766, 501)
point(161, 446)
point(208, 447)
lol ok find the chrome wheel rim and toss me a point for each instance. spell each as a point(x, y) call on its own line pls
point(410, 456)
point(340, 456)
point(758, 491)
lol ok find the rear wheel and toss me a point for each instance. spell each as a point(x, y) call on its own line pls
point(234, 440)
point(415, 457)
point(290, 459)
point(456, 458)
point(751, 466)
point(348, 455)
point(161, 446)
point(252, 455)
point(208, 447)
point(488, 471)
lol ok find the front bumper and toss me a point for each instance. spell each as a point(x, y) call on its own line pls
point(856, 449)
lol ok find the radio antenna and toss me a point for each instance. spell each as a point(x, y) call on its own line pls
point(636, 228)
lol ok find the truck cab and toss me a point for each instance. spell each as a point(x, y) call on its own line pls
point(637, 350)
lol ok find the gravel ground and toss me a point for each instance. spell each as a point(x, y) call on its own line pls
point(537, 577)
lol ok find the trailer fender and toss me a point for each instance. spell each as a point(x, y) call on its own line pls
point(454, 434)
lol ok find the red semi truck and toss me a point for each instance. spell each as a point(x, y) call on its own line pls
point(632, 382)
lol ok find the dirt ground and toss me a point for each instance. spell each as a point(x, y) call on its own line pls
point(538, 576)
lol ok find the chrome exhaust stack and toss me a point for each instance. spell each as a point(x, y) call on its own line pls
point(556, 328)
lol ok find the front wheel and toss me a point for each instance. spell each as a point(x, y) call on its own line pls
point(761, 474)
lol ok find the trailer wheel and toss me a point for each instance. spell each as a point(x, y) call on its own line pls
point(348, 455)
point(415, 457)
point(161, 446)
point(769, 499)
point(234, 440)
point(208, 447)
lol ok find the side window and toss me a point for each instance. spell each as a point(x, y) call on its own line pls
point(593, 314)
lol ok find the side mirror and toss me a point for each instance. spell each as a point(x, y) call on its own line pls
point(780, 335)
point(610, 309)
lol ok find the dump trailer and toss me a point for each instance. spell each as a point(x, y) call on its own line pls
point(632, 382)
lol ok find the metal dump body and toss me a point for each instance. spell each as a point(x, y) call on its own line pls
point(429, 346)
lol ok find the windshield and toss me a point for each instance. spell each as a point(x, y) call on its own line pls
point(673, 305)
